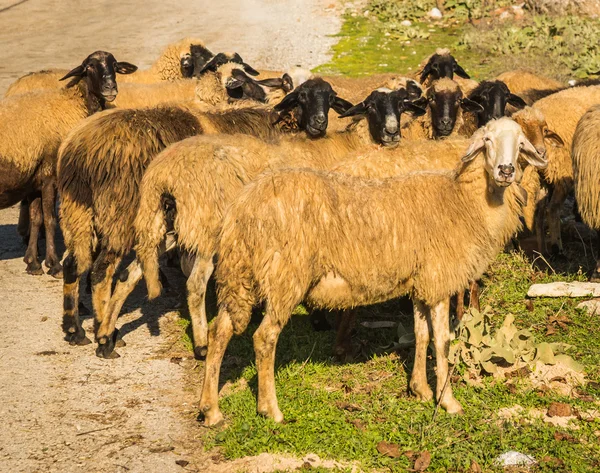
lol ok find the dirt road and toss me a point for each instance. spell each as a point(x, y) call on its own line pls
point(62, 408)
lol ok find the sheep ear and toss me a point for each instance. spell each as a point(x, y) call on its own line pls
point(413, 90)
point(250, 70)
point(233, 83)
point(415, 109)
point(213, 64)
point(276, 83)
point(516, 101)
point(359, 109)
point(287, 83)
point(554, 139)
point(341, 105)
point(425, 72)
point(477, 145)
point(79, 72)
point(125, 68)
point(420, 102)
point(288, 102)
point(460, 72)
point(531, 154)
point(470, 105)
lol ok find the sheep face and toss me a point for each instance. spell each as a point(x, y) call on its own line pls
point(99, 70)
point(503, 141)
point(442, 64)
point(534, 125)
point(493, 97)
point(240, 86)
point(311, 102)
point(382, 109)
point(445, 98)
point(195, 60)
point(221, 59)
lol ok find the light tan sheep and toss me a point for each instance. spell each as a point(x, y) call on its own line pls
point(586, 171)
point(521, 80)
point(563, 111)
point(341, 241)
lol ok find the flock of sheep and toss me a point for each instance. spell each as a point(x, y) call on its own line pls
point(333, 191)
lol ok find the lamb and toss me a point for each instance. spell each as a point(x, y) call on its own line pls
point(199, 187)
point(445, 106)
point(177, 61)
point(563, 111)
point(340, 241)
point(101, 164)
point(32, 127)
point(585, 172)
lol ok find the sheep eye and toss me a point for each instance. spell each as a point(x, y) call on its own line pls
point(435, 66)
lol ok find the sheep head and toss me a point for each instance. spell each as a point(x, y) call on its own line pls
point(99, 70)
point(382, 109)
point(310, 102)
point(445, 98)
point(534, 125)
point(493, 95)
point(194, 60)
point(503, 141)
point(442, 64)
point(223, 58)
point(240, 86)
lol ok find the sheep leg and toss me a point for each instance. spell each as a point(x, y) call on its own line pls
point(474, 295)
point(74, 333)
point(460, 305)
point(23, 225)
point(343, 340)
point(418, 379)
point(196, 286)
point(128, 279)
point(540, 225)
point(219, 334)
point(103, 271)
point(49, 210)
point(557, 200)
point(265, 342)
point(31, 255)
point(441, 341)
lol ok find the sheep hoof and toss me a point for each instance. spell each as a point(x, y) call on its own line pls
point(200, 352)
point(106, 346)
point(34, 268)
point(212, 417)
point(422, 394)
point(452, 406)
point(56, 271)
point(77, 338)
point(120, 343)
point(271, 412)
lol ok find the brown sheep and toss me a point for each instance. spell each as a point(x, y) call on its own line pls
point(340, 241)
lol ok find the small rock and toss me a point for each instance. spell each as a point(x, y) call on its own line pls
point(182, 463)
point(435, 14)
point(406, 22)
point(44, 318)
point(559, 409)
point(512, 458)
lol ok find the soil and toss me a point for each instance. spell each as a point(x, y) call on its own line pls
point(62, 408)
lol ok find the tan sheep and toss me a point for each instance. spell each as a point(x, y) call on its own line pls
point(521, 80)
point(341, 241)
point(563, 111)
point(586, 163)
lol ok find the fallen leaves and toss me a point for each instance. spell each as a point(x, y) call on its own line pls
point(556, 322)
point(392, 450)
point(388, 449)
point(559, 409)
point(563, 436)
point(422, 463)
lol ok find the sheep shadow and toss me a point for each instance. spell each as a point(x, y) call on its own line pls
point(13, 246)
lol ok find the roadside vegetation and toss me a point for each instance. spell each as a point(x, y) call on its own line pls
point(358, 411)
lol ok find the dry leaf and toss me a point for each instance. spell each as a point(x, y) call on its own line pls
point(391, 450)
point(182, 463)
point(348, 407)
point(475, 468)
point(359, 424)
point(422, 463)
point(558, 436)
point(559, 409)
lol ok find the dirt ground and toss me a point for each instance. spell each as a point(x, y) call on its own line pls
point(62, 408)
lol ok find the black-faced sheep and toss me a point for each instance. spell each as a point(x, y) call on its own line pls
point(100, 167)
point(586, 169)
point(442, 64)
point(340, 241)
point(493, 96)
point(202, 175)
point(32, 128)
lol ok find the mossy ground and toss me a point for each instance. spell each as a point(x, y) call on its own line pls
point(342, 410)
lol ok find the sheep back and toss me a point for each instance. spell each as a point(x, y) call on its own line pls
point(47, 79)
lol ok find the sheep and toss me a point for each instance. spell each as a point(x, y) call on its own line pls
point(445, 106)
point(520, 80)
point(585, 167)
point(32, 126)
point(442, 64)
point(562, 112)
point(101, 164)
point(342, 241)
point(199, 187)
point(177, 61)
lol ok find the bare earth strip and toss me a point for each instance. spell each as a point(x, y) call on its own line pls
point(62, 409)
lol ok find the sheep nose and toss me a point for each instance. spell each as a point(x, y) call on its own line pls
point(506, 169)
point(541, 151)
point(320, 119)
point(446, 122)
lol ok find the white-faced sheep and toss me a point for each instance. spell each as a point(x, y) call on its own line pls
point(100, 167)
point(177, 61)
point(201, 176)
point(340, 241)
point(31, 130)
point(586, 169)
point(562, 112)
